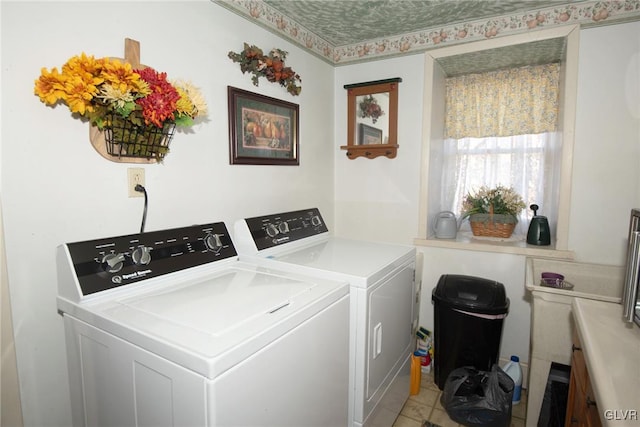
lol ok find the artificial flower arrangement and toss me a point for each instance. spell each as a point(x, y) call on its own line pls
point(253, 60)
point(493, 211)
point(498, 200)
point(115, 97)
point(369, 107)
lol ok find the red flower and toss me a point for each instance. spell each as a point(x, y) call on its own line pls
point(161, 103)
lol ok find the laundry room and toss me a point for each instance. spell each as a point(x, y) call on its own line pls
point(57, 188)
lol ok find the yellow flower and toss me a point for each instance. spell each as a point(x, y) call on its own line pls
point(194, 96)
point(78, 95)
point(50, 86)
point(184, 104)
point(75, 85)
point(122, 76)
point(89, 64)
point(87, 67)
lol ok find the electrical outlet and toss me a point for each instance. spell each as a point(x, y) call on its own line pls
point(135, 176)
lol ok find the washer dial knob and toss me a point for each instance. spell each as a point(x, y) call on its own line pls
point(112, 263)
point(283, 227)
point(315, 220)
point(213, 242)
point(141, 255)
point(271, 230)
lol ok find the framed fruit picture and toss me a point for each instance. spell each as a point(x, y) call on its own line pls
point(262, 130)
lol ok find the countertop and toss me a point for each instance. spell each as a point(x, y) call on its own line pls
point(612, 353)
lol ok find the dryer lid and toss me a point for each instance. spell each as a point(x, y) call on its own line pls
point(359, 262)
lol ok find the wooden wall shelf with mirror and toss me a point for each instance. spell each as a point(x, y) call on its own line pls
point(372, 119)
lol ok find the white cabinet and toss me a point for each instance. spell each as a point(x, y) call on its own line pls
point(115, 383)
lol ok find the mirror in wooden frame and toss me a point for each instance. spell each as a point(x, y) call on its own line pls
point(372, 119)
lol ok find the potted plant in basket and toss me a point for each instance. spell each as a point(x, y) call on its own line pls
point(493, 212)
point(138, 109)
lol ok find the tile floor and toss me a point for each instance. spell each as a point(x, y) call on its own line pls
point(426, 406)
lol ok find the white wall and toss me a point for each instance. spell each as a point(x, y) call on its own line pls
point(606, 184)
point(378, 198)
point(56, 188)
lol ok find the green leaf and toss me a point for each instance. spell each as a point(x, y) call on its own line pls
point(183, 120)
point(99, 121)
point(127, 109)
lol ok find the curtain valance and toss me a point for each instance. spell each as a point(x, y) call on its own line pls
point(516, 101)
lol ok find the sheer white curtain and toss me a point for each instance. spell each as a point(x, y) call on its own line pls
point(528, 163)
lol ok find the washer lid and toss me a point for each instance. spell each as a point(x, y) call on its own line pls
point(212, 322)
point(219, 305)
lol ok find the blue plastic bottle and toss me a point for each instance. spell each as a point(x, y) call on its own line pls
point(514, 370)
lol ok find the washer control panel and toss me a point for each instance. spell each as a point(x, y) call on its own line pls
point(273, 230)
point(118, 261)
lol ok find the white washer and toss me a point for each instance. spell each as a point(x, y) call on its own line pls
point(383, 314)
point(169, 328)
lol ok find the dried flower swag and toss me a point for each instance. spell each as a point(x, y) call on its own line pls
point(253, 60)
point(369, 107)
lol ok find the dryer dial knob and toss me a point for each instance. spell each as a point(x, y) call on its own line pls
point(112, 263)
point(141, 255)
point(213, 242)
point(315, 221)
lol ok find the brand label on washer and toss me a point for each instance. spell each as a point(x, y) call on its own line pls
point(136, 274)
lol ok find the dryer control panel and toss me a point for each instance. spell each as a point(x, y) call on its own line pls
point(118, 261)
point(273, 230)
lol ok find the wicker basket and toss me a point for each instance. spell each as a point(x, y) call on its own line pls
point(496, 225)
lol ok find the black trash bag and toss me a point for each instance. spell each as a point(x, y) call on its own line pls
point(478, 398)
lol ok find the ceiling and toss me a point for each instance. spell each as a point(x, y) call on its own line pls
point(343, 23)
point(348, 31)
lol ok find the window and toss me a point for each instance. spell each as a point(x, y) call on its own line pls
point(533, 154)
point(500, 129)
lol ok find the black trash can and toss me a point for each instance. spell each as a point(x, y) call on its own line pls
point(468, 316)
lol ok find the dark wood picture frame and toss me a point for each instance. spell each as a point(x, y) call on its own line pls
point(262, 130)
point(369, 135)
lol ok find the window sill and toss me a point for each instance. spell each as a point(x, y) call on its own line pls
point(517, 245)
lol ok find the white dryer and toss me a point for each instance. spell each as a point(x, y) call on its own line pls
point(169, 328)
point(383, 314)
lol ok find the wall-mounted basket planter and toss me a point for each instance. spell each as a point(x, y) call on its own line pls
point(133, 109)
point(124, 139)
point(121, 140)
